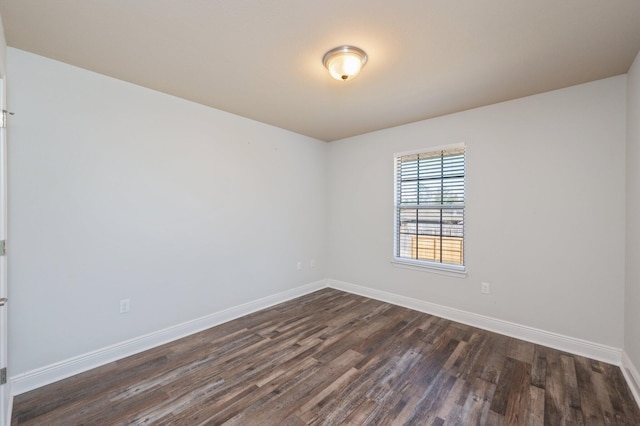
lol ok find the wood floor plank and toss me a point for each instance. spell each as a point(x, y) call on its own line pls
point(427, 406)
point(334, 358)
point(476, 407)
point(518, 400)
point(539, 369)
point(501, 396)
point(555, 395)
point(534, 414)
point(521, 350)
point(450, 406)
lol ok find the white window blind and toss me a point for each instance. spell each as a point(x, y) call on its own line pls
point(429, 218)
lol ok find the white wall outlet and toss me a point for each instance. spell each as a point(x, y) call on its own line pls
point(485, 288)
point(124, 306)
point(299, 265)
point(312, 263)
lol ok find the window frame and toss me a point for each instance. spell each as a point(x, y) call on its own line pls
point(427, 265)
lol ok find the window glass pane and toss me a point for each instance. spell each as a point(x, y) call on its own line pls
point(431, 225)
point(428, 179)
point(409, 192)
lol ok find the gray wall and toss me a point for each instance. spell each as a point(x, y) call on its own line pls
point(117, 192)
point(544, 219)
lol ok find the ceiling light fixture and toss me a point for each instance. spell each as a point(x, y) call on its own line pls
point(344, 62)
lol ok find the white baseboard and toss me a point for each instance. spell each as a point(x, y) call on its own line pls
point(8, 404)
point(632, 376)
point(61, 370)
point(557, 341)
point(67, 368)
point(10, 408)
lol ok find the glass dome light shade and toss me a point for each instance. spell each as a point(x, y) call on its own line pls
point(344, 62)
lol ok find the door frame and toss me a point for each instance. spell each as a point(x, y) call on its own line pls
point(5, 392)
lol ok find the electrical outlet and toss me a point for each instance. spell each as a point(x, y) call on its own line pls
point(299, 265)
point(485, 288)
point(312, 264)
point(124, 306)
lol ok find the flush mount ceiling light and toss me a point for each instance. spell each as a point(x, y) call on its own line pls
point(344, 62)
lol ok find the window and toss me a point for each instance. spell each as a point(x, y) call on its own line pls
point(429, 209)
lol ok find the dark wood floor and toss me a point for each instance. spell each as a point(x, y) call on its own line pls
point(334, 358)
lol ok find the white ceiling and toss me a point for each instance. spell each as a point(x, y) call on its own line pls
point(263, 59)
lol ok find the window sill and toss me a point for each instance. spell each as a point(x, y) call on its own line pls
point(448, 270)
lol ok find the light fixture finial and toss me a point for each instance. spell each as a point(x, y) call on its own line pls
point(344, 62)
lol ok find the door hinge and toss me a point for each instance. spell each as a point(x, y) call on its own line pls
point(3, 376)
point(3, 247)
point(3, 119)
